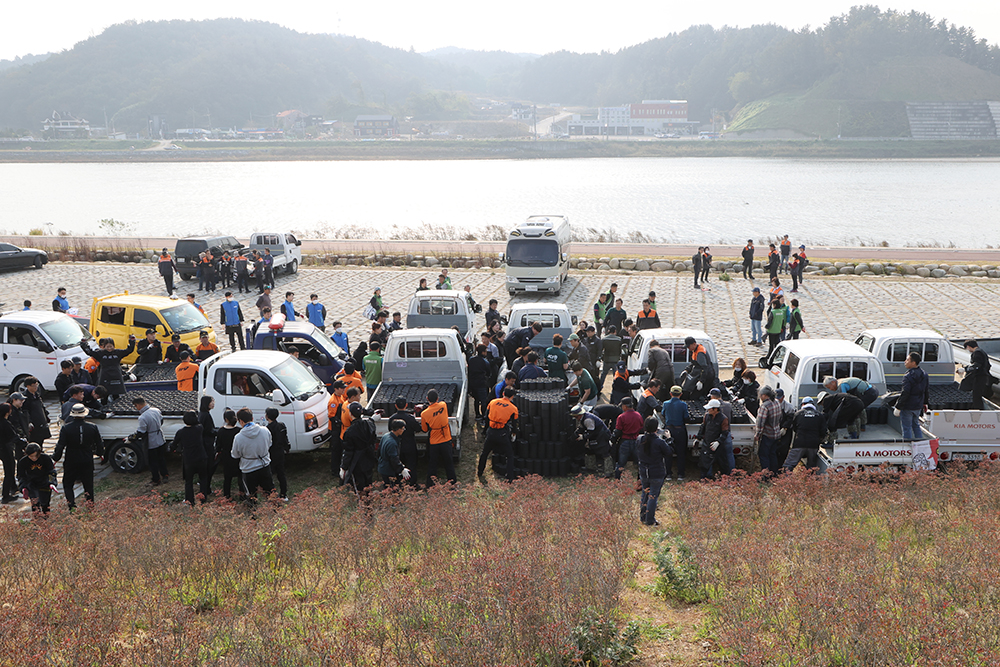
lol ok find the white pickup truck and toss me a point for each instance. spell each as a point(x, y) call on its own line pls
point(285, 249)
point(416, 361)
point(254, 379)
point(962, 433)
point(36, 343)
point(672, 342)
point(554, 317)
point(442, 309)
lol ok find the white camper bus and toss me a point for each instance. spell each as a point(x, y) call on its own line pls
point(537, 257)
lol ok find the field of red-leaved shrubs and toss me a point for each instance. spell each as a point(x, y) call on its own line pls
point(830, 570)
point(468, 577)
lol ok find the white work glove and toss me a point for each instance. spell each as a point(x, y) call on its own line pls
point(961, 371)
point(406, 474)
point(896, 412)
point(741, 401)
point(699, 385)
point(714, 445)
point(343, 473)
point(782, 432)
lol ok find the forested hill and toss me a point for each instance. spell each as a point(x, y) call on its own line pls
point(225, 72)
point(220, 72)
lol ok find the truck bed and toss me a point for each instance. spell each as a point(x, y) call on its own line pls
point(944, 396)
point(385, 396)
point(169, 401)
point(154, 372)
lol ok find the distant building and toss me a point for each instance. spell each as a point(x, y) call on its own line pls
point(65, 126)
point(376, 126)
point(520, 111)
point(295, 119)
point(646, 118)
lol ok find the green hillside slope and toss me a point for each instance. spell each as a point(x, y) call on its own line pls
point(868, 102)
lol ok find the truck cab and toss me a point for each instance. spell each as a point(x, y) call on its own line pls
point(315, 348)
point(537, 254)
point(672, 342)
point(285, 248)
point(554, 318)
point(117, 316)
point(35, 343)
point(799, 366)
point(442, 309)
point(892, 346)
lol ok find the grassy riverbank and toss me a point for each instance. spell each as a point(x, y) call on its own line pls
point(226, 151)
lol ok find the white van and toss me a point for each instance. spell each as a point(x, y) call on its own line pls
point(799, 366)
point(35, 343)
point(537, 256)
point(554, 318)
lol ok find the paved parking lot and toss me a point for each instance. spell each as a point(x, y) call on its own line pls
point(831, 307)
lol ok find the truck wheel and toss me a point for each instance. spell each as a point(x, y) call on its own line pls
point(186, 276)
point(512, 292)
point(18, 384)
point(126, 457)
point(293, 267)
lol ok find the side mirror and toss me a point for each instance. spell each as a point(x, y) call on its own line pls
point(43, 346)
point(297, 242)
point(573, 319)
point(342, 356)
point(503, 258)
point(323, 360)
point(565, 257)
point(764, 363)
point(503, 320)
point(164, 327)
point(278, 397)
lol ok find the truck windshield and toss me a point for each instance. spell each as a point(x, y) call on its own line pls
point(532, 252)
point(184, 318)
point(65, 332)
point(300, 382)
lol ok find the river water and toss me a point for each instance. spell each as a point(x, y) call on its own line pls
point(710, 200)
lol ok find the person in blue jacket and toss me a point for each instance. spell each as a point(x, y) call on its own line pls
point(316, 312)
point(231, 317)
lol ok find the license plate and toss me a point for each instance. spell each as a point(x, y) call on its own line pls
point(965, 456)
point(531, 288)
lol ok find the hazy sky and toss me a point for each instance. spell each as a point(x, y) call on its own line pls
point(531, 28)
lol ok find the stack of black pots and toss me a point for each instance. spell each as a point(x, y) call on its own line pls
point(544, 428)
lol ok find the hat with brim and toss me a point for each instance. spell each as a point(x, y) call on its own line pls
point(79, 410)
point(714, 403)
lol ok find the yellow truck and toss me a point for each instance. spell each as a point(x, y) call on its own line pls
point(117, 316)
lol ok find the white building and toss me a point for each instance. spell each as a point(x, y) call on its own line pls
point(646, 118)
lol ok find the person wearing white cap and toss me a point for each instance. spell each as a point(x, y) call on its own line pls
point(809, 430)
point(714, 431)
point(80, 440)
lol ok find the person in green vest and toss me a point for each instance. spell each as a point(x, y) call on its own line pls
point(557, 361)
point(775, 323)
point(795, 325)
point(372, 366)
point(652, 300)
point(601, 310)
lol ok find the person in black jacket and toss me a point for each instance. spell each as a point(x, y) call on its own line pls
point(359, 451)
point(19, 420)
point(92, 397)
point(35, 475)
point(655, 458)
point(841, 410)
point(810, 429)
point(64, 380)
point(189, 442)
point(224, 452)
point(977, 374)
point(34, 408)
point(176, 349)
point(519, 338)
point(408, 440)
point(9, 444)
point(696, 264)
point(80, 440)
point(279, 447)
point(748, 260)
point(150, 350)
point(110, 359)
point(480, 382)
point(913, 398)
point(208, 433)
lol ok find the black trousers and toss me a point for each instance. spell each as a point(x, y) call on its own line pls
point(190, 470)
point(9, 470)
point(168, 282)
point(243, 281)
point(78, 471)
point(679, 444)
point(278, 472)
point(158, 463)
point(269, 275)
point(497, 440)
point(235, 331)
point(40, 498)
point(257, 480)
point(979, 390)
point(260, 281)
point(772, 342)
point(230, 471)
point(435, 454)
point(481, 396)
point(337, 451)
point(748, 270)
point(697, 274)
